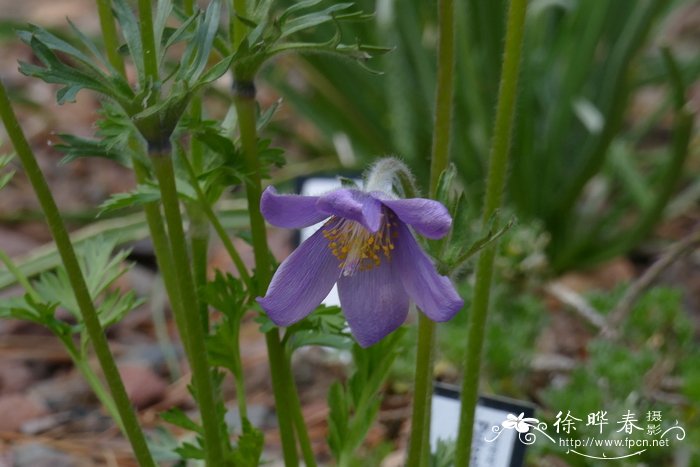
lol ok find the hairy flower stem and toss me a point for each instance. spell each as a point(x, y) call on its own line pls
point(77, 281)
point(244, 99)
point(109, 35)
point(199, 226)
point(495, 184)
point(201, 375)
point(161, 248)
point(298, 416)
point(419, 448)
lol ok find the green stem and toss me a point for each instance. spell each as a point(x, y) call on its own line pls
point(199, 243)
point(237, 367)
point(148, 41)
point(218, 227)
point(21, 278)
point(199, 234)
point(77, 281)
point(109, 35)
point(282, 403)
point(188, 7)
point(164, 259)
point(201, 376)
point(245, 108)
point(444, 105)
point(495, 184)
point(299, 422)
point(419, 448)
point(236, 26)
point(420, 417)
point(93, 381)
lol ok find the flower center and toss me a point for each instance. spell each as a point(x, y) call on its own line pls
point(358, 249)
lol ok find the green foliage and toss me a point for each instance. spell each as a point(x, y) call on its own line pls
point(225, 293)
point(444, 454)
point(76, 147)
point(634, 372)
point(100, 270)
point(270, 35)
point(249, 447)
point(26, 308)
point(52, 289)
point(142, 194)
point(247, 450)
point(153, 114)
point(583, 60)
point(354, 407)
point(325, 327)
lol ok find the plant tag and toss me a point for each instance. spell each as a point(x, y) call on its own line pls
point(505, 451)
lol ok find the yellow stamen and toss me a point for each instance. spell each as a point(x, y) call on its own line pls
point(356, 247)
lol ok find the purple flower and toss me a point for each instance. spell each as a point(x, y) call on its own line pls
point(365, 246)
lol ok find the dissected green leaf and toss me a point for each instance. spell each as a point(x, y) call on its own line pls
point(177, 417)
point(249, 446)
point(75, 147)
point(353, 409)
point(325, 326)
point(142, 194)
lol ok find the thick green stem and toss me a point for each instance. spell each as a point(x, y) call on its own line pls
point(148, 41)
point(495, 184)
point(109, 35)
point(245, 108)
point(275, 354)
point(188, 7)
point(199, 231)
point(444, 93)
point(77, 281)
point(199, 243)
point(237, 28)
point(201, 375)
point(420, 418)
point(164, 259)
point(299, 423)
point(419, 447)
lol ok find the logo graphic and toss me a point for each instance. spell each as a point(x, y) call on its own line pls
point(630, 435)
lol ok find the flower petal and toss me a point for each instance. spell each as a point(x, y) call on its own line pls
point(433, 293)
point(301, 282)
point(353, 205)
point(430, 218)
point(374, 302)
point(289, 211)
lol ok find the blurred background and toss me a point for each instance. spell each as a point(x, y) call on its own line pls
point(603, 185)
